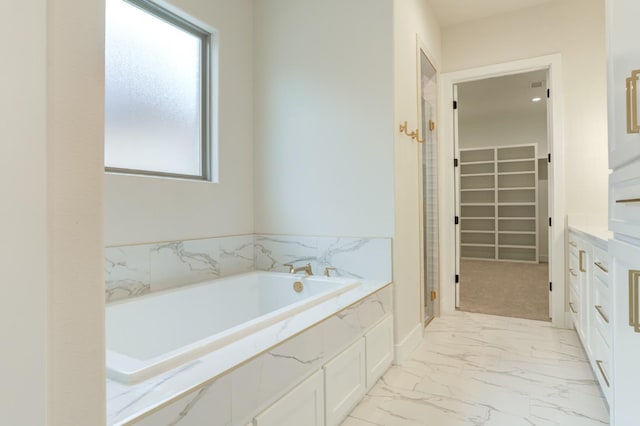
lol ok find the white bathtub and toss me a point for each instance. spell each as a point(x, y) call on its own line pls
point(152, 334)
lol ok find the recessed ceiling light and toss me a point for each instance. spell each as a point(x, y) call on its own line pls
point(536, 99)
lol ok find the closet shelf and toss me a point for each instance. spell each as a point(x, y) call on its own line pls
point(510, 214)
point(476, 174)
point(477, 162)
point(517, 232)
point(528, 172)
point(517, 188)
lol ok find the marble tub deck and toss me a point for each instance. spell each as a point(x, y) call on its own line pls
point(475, 369)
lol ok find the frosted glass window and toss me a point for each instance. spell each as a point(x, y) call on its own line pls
point(156, 92)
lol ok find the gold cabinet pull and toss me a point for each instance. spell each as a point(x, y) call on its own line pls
point(581, 261)
point(604, 375)
point(634, 290)
point(572, 308)
point(601, 267)
point(632, 102)
point(628, 201)
point(602, 314)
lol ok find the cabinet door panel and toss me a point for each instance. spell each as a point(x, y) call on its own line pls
point(623, 33)
point(304, 405)
point(625, 260)
point(379, 342)
point(345, 382)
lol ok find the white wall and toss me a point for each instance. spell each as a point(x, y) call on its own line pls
point(575, 29)
point(323, 117)
point(52, 313)
point(75, 118)
point(23, 161)
point(147, 209)
point(509, 128)
point(411, 18)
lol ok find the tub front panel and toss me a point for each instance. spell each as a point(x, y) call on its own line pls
point(160, 331)
point(235, 398)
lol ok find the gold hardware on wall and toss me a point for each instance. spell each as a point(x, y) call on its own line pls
point(432, 125)
point(327, 269)
point(413, 135)
point(602, 314)
point(604, 376)
point(628, 200)
point(632, 102)
point(434, 295)
point(634, 314)
point(601, 267)
point(581, 261)
point(572, 308)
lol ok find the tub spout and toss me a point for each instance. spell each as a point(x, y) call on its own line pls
point(306, 269)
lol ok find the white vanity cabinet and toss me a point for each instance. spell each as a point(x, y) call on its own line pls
point(625, 277)
point(379, 348)
point(623, 84)
point(579, 288)
point(590, 301)
point(623, 70)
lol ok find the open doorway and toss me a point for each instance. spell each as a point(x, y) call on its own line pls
point(502, 187)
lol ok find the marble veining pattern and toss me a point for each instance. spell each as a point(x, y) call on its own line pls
point(136, 270)
point(475, 369)
point(352, 257)
point(290, 350)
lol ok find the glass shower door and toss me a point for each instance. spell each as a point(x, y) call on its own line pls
point(429, 181)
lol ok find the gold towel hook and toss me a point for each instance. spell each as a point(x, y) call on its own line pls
point(403, 129)
point(417, 137)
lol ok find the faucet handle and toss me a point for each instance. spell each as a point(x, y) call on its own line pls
point(291, 268)
point(327, 269)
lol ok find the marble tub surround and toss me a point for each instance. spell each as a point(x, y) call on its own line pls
point(140, 269)
point(352, 257)
point(253, 371)
point(475, 369)
point(136, 270)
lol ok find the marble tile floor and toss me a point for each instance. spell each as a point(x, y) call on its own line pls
point(475, 369)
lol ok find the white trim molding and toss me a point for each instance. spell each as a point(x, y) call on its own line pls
point(552, 63)
point(404, 349)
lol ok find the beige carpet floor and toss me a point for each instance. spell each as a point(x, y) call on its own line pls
point(509, 289)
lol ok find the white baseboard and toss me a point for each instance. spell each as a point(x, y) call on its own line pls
point(405, 348)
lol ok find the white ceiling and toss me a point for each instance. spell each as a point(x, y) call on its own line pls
point(503, 95)
point(452, 12)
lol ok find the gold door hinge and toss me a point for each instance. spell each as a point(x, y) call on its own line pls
point(434, 295)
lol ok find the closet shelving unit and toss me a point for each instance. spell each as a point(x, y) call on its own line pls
point(499, 203)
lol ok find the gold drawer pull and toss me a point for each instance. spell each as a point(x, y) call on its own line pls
point(601, 267)
point(634, 290)
point(581, 261)
point(572, 244)
point(602, 314)
point(604, 375)
point(572, 308)
point(573, 272)
point(628, 200)
point(632, 103)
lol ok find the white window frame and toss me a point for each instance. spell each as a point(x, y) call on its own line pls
point(206, 132)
